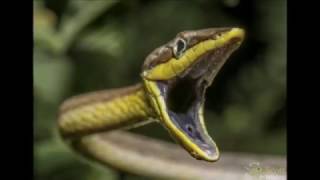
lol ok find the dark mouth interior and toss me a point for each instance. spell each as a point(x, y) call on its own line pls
point(182, 95)
point(187, 91)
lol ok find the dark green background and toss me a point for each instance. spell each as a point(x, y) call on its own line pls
point(82, 46)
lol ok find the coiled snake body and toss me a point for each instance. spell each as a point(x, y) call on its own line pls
point(174, 80)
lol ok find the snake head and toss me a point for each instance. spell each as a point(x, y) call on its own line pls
point(176, 76)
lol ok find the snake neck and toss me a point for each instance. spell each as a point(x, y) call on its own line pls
point(104, 110)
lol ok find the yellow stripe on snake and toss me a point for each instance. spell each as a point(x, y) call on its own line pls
point(175, 77)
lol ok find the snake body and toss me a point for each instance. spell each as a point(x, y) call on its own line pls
point(104, 110)
point(191, 60)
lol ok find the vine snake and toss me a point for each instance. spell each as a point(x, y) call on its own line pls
point(174, 77)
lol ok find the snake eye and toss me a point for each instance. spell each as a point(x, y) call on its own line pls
point(179, 48)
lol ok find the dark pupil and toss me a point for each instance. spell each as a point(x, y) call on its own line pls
point(180, 46)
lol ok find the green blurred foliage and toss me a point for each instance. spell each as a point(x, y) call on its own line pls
point(82, 46)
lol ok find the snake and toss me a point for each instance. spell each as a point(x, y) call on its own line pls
point(174, 80)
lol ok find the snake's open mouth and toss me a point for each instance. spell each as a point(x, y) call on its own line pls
point(184, 97)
